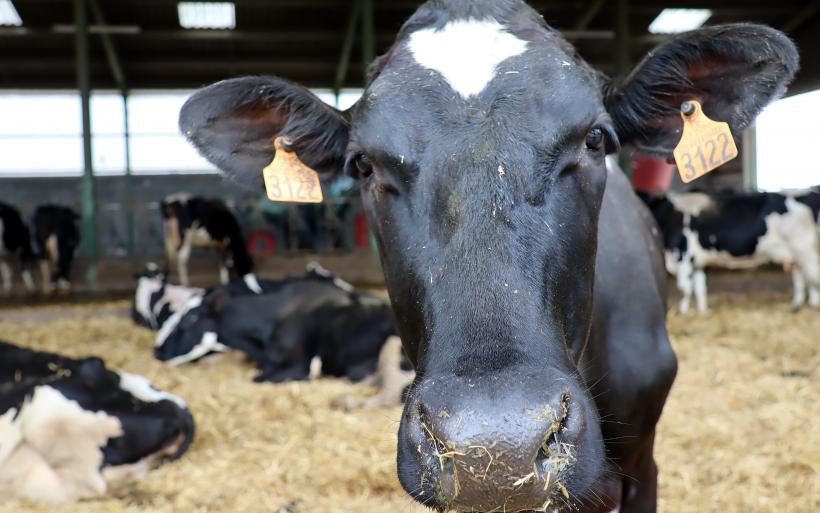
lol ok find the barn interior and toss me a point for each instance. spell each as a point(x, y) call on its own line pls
point(739, 432)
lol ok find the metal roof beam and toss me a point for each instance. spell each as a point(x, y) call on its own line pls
point(109, 49)
point(593, 6)
point(803, 15)
point(347, 46)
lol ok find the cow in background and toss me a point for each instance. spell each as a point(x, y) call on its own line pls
point(15, 242)
point(69, 428)
point(56, 237)
point(811, 199)
point(196, 222)
point(156, 300)
point(734, 231)
point(284, 329)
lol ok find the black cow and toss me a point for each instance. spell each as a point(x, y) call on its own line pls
point(70, 427)
point(528, 288)
point(56, 237)
point(192, 221)
point(735, 231)
point(294, 321)
point(15, 242)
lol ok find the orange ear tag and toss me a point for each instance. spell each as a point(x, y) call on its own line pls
point(289, 180)
point(705, 145)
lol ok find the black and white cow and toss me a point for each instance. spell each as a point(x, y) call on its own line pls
point(283, 330)
point(156, 300)
point(735, 231)
point(811, 199)
point(528, 288)
point(193, 222)
point(71, 427)
point(15, 243)
point(56, 237)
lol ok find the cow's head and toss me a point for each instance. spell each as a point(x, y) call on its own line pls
point(190, 333)
point(150, 284)
point(479, 144)
point(153, 425)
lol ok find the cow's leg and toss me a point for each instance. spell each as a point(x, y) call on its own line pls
point(814, 297)
point(699, 282)
point(45, 275)
point(808, 262)
point(224, 275)
point(28, 280)
point(801, 238)
point(5, 272)
point(684, 278)
point(799, 289)
point(182, 258)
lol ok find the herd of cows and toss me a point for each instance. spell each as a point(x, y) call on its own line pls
point(527, 280)
point(115, 426)
point(727, 229)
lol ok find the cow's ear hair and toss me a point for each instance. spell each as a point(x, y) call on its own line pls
point(732, 70)
point(233, 124)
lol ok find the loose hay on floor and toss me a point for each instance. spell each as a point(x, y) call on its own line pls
point(739, 434)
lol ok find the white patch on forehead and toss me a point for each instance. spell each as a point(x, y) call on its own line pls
point(142, 389)
point(465, 52)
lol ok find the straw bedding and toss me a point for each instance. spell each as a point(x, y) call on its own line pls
point(740, 433)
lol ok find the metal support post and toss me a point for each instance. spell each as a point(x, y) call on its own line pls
point(89, 200)
point(347, 47)
point(623, 58)
point(368, 39)
point(750, 159)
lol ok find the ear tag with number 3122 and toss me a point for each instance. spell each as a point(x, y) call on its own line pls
point(289, 180)
point(705, 145)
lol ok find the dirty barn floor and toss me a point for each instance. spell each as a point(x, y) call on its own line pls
point(740, 433)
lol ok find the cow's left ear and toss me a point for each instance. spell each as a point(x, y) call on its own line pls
point(233, 124)
point(732, 70)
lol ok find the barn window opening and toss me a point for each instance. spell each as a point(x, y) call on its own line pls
point(8, 15)
point(41, 133)
point(785, 136)
point(674, 21)
point(207, 15)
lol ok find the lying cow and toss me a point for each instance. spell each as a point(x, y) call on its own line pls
point(735, 231)
point(528, 287)
point(15, 243)
point(156, 300)
point(391, 380)
point(283, 329)
point(195, 222)
point(69, 428)
point(56, 237)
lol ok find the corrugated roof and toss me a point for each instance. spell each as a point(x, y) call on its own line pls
point(302, 39)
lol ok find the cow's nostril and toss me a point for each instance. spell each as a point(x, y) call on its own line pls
point(557, 450)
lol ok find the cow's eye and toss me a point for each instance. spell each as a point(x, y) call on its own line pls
point(363, 166)
point(595, 139)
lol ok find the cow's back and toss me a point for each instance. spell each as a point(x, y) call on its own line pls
point(629, 362)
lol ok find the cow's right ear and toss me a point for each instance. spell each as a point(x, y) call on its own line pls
point(233, 124)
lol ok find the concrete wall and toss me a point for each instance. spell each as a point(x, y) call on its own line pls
point(148, 190)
